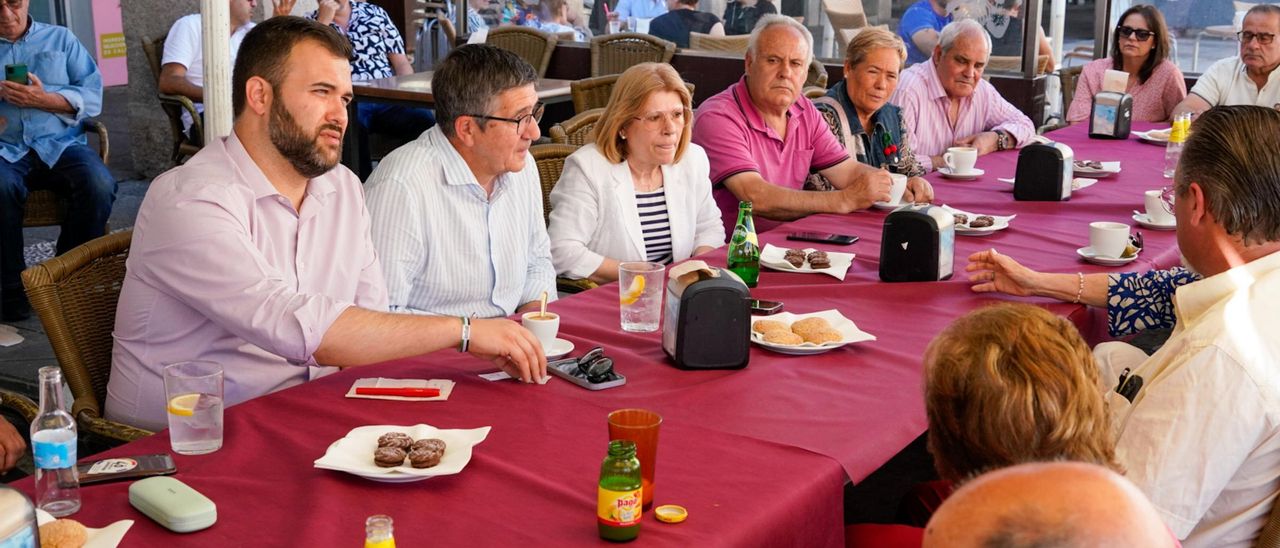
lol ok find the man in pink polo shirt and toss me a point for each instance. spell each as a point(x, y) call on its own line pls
point(743, 128)
point(945, 102)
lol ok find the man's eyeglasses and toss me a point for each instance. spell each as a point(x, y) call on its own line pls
point(1137, 34)
point(1264, 38)
point(654, 120)
point(522, 122)
point(1166, 199)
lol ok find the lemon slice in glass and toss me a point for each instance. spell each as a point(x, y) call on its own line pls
point(184, 405)
point(633, 291)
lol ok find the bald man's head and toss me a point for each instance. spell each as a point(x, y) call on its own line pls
point(1047, 505)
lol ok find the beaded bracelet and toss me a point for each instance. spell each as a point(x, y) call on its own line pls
point(1080, 291)
point(466, 334)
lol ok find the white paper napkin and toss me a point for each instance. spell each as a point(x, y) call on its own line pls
point(772, 257)
point(849, 331)
point(106, 537)
point(1001, 221)
point(354, 453)
point(445, 386)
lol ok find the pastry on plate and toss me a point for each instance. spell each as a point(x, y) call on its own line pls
point(388, 457)
point(765, 326)
point(782, 336)
point(982, 221)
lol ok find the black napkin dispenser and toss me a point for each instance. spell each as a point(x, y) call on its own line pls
point(917, 244)
point(707, 318)
point(1044, 173)
point(1111, 116)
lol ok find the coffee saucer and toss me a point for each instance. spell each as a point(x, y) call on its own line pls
point(558, 349)
point(968, 176)
point(1087, 254)
point(888, 206)
point(1146, 222)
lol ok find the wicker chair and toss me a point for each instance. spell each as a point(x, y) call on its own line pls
point(550, 160)
point(75, 295)
point(589, 93)
point(817, 75)
point(184, 146)
point(19, 404)
point(1013, 63)
point(1270, 537)
point(47, 207)
point(614, 53)
point(532, 45)
point(728, 44)
point(814, 92)
point(576, 130)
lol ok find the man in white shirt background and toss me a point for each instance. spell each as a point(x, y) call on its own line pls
point(1248, 79)
point(457, 213)
point(182, 65)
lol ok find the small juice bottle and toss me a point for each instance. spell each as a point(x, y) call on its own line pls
point(618, 507)
point(378, 532)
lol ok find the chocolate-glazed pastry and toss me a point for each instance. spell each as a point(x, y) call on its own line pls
point(982, 221)
point(388, 457)
point(795, 257)
point(424, 457)
point(430, 443)
point(399, 440)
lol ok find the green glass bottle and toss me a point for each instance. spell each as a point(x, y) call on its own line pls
point(618, 504)
point(744, 248)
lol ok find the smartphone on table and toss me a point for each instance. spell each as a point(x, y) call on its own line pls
point(765, 308)
point(822, 238)
point(124, 468)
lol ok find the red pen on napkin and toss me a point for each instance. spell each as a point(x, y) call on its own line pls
point(406, 392)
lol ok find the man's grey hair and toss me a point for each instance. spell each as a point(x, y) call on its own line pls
point(774, 20)
point(470, 79)
point(955, 29)
point(1264, 9)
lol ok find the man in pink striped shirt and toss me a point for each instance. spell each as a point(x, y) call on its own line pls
point(945, 102)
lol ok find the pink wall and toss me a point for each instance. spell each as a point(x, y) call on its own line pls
point(108, 25)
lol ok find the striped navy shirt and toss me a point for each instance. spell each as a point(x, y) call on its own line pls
point(655, 225)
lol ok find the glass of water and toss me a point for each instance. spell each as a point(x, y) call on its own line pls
point(193, 392)
point(640, 291)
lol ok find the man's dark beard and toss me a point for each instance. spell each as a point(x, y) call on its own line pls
point(302, 150)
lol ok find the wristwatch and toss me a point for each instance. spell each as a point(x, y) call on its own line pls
point(1002, 140)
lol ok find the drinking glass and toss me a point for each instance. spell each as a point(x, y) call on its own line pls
point(193, 391)
point(640, 295)
point(641, 427)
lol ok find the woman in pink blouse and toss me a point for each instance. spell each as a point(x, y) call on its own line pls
point(1140, 47)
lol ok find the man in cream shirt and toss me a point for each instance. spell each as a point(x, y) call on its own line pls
point(1249, 79)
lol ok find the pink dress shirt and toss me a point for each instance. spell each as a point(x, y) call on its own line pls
point(924, 113)
point(737, 140)
point(1153, 100)
point(222, 268)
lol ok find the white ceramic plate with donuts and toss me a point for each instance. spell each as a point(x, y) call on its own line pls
point(353, 453)
point(802, 326)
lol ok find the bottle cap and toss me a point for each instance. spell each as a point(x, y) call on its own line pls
point(670, 513)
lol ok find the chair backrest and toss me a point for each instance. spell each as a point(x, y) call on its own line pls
point(707, 42)
point(814, 92)
point(845, 14)
point(550, 160)
point(817, 75)
point(154, 50)
point(1013, 63)
point(1069, 77)
point(614, 53)
point(575, 131)
point(1270, 537)
point(174, 106)
point(532, 45)
point(589, 93)
point(75, 295)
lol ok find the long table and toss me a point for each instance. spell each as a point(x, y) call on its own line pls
point(758, 456)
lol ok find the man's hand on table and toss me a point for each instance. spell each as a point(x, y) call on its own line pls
point(985, 142)
point(919, 191)
point(872, 186)
point(12, 446)
point(509, 346)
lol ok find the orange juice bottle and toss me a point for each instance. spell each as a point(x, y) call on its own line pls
point(378, 532)
point(618, 504)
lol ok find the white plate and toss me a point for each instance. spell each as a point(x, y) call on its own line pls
point(1142, 219)
point(772, 257)
point(1001, 223)
point(1078, 183)
point(1087, 254)
point(106, 537)
point(353, 453)
point(1108, 169)
point(848, 330)
point(886, 206)
point(947, 173)
point(1154, 137)
point(558, 349)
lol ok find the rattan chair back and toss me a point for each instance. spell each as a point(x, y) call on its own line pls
point(591, 93)
point(184, 146)
point(615, 53)
point(576, 131)
point(75, 295)
point(817, 75)
point(532, 45)
point(550, 160)
point(47, 206)
point(729, 44)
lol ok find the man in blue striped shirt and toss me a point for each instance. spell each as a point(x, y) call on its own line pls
point(457, 213)
point(41, 140)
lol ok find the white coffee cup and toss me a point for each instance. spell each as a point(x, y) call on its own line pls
point(898, 188)
point(1156, 212)
point(544, 328)
point(960, 160)
point(1108, 239)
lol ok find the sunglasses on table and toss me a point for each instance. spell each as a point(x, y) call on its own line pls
point(1264, 38)
point(1137, 34)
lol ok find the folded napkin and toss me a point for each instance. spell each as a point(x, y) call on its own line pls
point(772, 257)
point(106, 537)
point(445, 386)
point(354, 453)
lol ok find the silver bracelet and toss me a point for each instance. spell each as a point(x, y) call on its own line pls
point(466, 334)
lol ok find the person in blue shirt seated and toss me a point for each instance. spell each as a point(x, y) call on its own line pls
point(682, 18)
point(41, 141)
point(639, 9)
point(920, 28)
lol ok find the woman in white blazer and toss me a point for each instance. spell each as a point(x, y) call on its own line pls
point(641, 191)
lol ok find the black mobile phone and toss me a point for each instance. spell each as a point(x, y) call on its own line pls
point(122, 468)
point(765, 307)
point(822, 238)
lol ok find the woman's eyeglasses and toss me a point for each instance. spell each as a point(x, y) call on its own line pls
point(654, 120)
point(1137, 34)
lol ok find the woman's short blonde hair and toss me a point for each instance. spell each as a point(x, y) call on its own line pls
point(630, 92)
point(1009, 384)
point(871, 39)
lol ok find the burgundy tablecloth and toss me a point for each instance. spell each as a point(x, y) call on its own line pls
point(752, 453)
